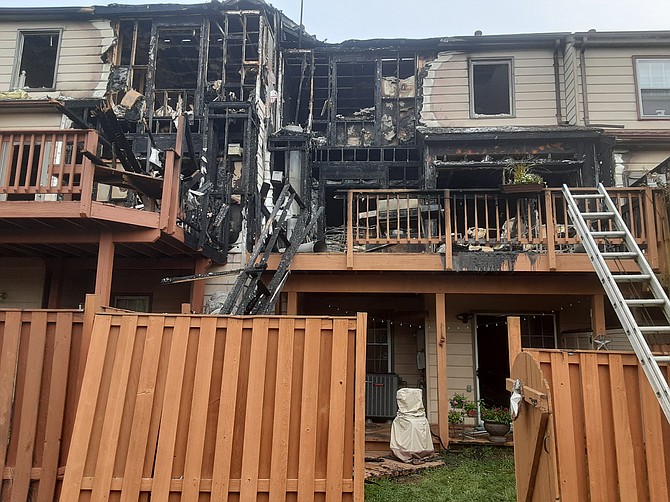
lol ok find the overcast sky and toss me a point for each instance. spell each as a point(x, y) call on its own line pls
point(337, 20)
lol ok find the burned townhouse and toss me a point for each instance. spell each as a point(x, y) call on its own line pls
point(167, 154)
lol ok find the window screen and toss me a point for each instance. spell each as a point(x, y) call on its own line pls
point(39, 50)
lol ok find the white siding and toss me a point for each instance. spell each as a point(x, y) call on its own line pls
point(80, 72)
point(23, 281)
point(446, 90)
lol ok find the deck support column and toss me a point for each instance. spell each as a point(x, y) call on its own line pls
point(442, 388)
point(105, 268)
point(198, 287)
point(292, 303)
point(513, 339)
point(598, 325)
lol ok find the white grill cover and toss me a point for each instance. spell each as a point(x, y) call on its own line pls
point(410, 432)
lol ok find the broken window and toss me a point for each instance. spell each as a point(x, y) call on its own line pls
point(356, 88)
point(177, 59)
point(653, 83)
point(38, 53)
point(133, 53)
point(491, 87)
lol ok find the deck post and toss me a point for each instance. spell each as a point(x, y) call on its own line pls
point(650, 230)
point(104, 270)
point(448, 250)
point(198, 287)
point(551, 230)
point(513, 338)
point(598, 315)
point(292, 303)
point(350, 230)
point(441, 346)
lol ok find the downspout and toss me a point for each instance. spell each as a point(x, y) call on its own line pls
point(582, 66)
point(557, 84)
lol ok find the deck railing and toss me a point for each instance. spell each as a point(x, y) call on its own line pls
point(50, 165)
point(46, 163)
point(444, 220)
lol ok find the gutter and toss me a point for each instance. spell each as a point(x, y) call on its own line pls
point(24, 13)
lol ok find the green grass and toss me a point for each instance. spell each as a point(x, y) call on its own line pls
point(473, 474)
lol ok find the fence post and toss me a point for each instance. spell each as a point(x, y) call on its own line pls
point(91, 307)
point(513, 338)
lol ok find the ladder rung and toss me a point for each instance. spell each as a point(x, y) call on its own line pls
point(631, 277)
point(597, 215)
point(645, 302)
point(662, 359)
point(612, 233)
point(619, 254)
point(654, 329)
point(588, 196)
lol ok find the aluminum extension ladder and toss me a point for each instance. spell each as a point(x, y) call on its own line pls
point(599, 207)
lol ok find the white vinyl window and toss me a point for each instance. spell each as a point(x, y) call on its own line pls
point(653, 87)
point(491, 89)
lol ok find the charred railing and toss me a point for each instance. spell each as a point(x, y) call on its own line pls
point(447, 221)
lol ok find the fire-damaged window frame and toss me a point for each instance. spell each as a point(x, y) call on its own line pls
point(18, 60)
point(639, 87)
point(472, 63)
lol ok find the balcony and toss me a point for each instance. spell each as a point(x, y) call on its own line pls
point(55, 174)
point(477, 231)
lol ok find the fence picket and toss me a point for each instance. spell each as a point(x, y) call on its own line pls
point(30, 406)
point(56, 409)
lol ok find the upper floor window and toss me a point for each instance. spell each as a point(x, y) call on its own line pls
point(491, 88)
point(653, 87)
point(38, 54)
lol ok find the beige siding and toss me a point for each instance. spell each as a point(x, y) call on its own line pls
point(611, 91)
point(80, 72)
point(446, 90)
point(571, 96)
point(22, 279)
point(404, 354)
point(223, 282)
point(28, 120)
point(638, 163)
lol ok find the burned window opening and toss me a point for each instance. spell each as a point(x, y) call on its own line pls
point(37, 59)
point(491, 87)
point(355, 89)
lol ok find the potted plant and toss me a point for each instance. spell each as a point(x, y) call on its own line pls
point(458, 401)
point(519, 177)
point(455, 419)
point(496, 421)
point(470, 408)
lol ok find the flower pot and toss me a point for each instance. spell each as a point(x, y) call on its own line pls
point(522, 188)
point(472, 413)
point(497, 431)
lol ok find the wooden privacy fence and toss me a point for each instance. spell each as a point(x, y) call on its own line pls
point(612, 441)
point(39, 366)
point(197, 408)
